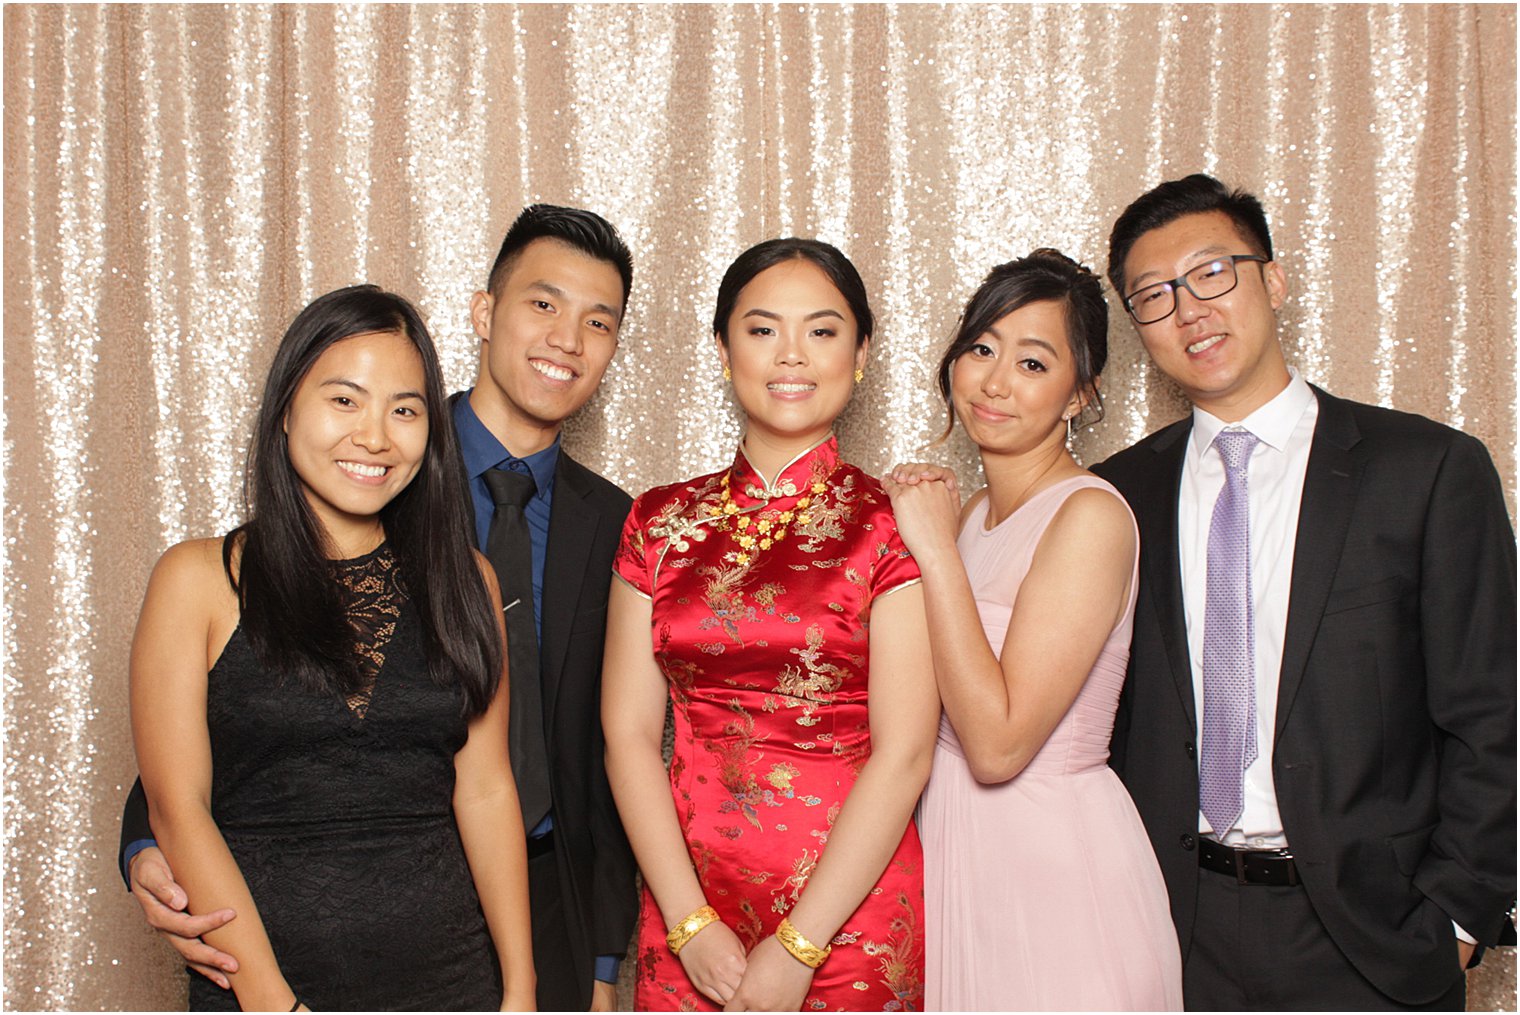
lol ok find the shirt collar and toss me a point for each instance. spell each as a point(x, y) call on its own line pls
point(813, 466)
point(482, 451)
point(1273, 424)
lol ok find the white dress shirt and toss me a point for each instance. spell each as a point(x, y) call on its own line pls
point(1275, 486)
point(1274, 491)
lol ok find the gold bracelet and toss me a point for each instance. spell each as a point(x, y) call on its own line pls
point(687, 928)
point(803, 950)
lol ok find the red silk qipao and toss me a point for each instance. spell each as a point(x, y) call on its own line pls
point(764, 641)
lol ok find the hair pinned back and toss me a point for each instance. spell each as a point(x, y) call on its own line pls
point(1046, 274)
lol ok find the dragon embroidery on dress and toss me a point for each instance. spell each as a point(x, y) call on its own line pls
point(828, 516)
point(802, 869)
point(701, 860)
point(820, 683)
point(681, 673)
point(855, 751)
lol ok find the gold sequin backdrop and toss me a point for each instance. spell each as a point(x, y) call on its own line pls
point(180, 180)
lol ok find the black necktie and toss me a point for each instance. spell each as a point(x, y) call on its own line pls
point(511, 553)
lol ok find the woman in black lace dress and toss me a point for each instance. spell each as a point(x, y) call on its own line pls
point(318, 702)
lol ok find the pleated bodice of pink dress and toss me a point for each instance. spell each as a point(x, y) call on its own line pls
point(1042, 892)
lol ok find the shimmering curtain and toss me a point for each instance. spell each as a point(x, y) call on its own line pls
point(180, 180)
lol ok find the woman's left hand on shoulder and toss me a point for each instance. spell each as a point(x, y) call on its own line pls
point(927, 504)
point(773, 980)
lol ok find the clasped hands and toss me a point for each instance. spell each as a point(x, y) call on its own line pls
point(767, 979)
point(926, 502)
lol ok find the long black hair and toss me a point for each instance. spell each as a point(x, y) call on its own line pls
point(291, 612)
point(1046, 274)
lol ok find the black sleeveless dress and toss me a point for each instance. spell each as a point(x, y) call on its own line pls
point(340, 817)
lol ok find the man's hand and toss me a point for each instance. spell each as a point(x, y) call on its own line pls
point(1465, 952)
point(603, 996)
point(163, 902)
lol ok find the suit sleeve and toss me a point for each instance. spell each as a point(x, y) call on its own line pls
point(134, 827)
point(632, 560)
point(615, 872)
point(1467, 618)
point(1118, 744)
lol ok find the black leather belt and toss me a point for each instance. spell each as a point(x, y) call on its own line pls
point(1248, 866)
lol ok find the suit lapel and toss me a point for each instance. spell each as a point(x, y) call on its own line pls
point(1324, 517)
point(1163, 566)
point(572, 521)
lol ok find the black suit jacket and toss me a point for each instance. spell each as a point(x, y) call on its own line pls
point(596, 864)
point(1394, 748)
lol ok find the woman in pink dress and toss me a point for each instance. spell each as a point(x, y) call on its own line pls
point(781, 866)
point(1043, 892)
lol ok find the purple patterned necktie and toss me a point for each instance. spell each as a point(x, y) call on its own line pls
point(1229, 644)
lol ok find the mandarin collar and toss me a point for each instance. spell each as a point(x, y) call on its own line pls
point(797, 477)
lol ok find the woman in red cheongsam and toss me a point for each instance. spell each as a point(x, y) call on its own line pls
point(781, 866)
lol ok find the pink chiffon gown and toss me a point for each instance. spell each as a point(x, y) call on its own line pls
point(1042, 892)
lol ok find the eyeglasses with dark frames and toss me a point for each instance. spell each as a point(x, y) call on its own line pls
point(1208, 281)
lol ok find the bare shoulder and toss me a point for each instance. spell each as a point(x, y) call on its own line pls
point(1097, 517)
point(190, 600)
point(192, 570)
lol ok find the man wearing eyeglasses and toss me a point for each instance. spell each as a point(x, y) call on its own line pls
point(1318, 727)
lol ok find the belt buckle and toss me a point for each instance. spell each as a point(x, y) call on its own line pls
point(1266, 871)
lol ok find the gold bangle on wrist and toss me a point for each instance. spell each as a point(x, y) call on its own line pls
point(687, 928)
point(803, 950)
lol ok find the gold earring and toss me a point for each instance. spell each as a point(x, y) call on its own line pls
point(860, 375)
point(726, 375)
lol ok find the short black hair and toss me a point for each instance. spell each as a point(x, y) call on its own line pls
point(1173, 199)
point(586, 231)
point(770, 253)
point(1045, 275)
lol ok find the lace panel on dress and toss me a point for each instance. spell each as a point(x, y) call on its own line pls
point(371, 590)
